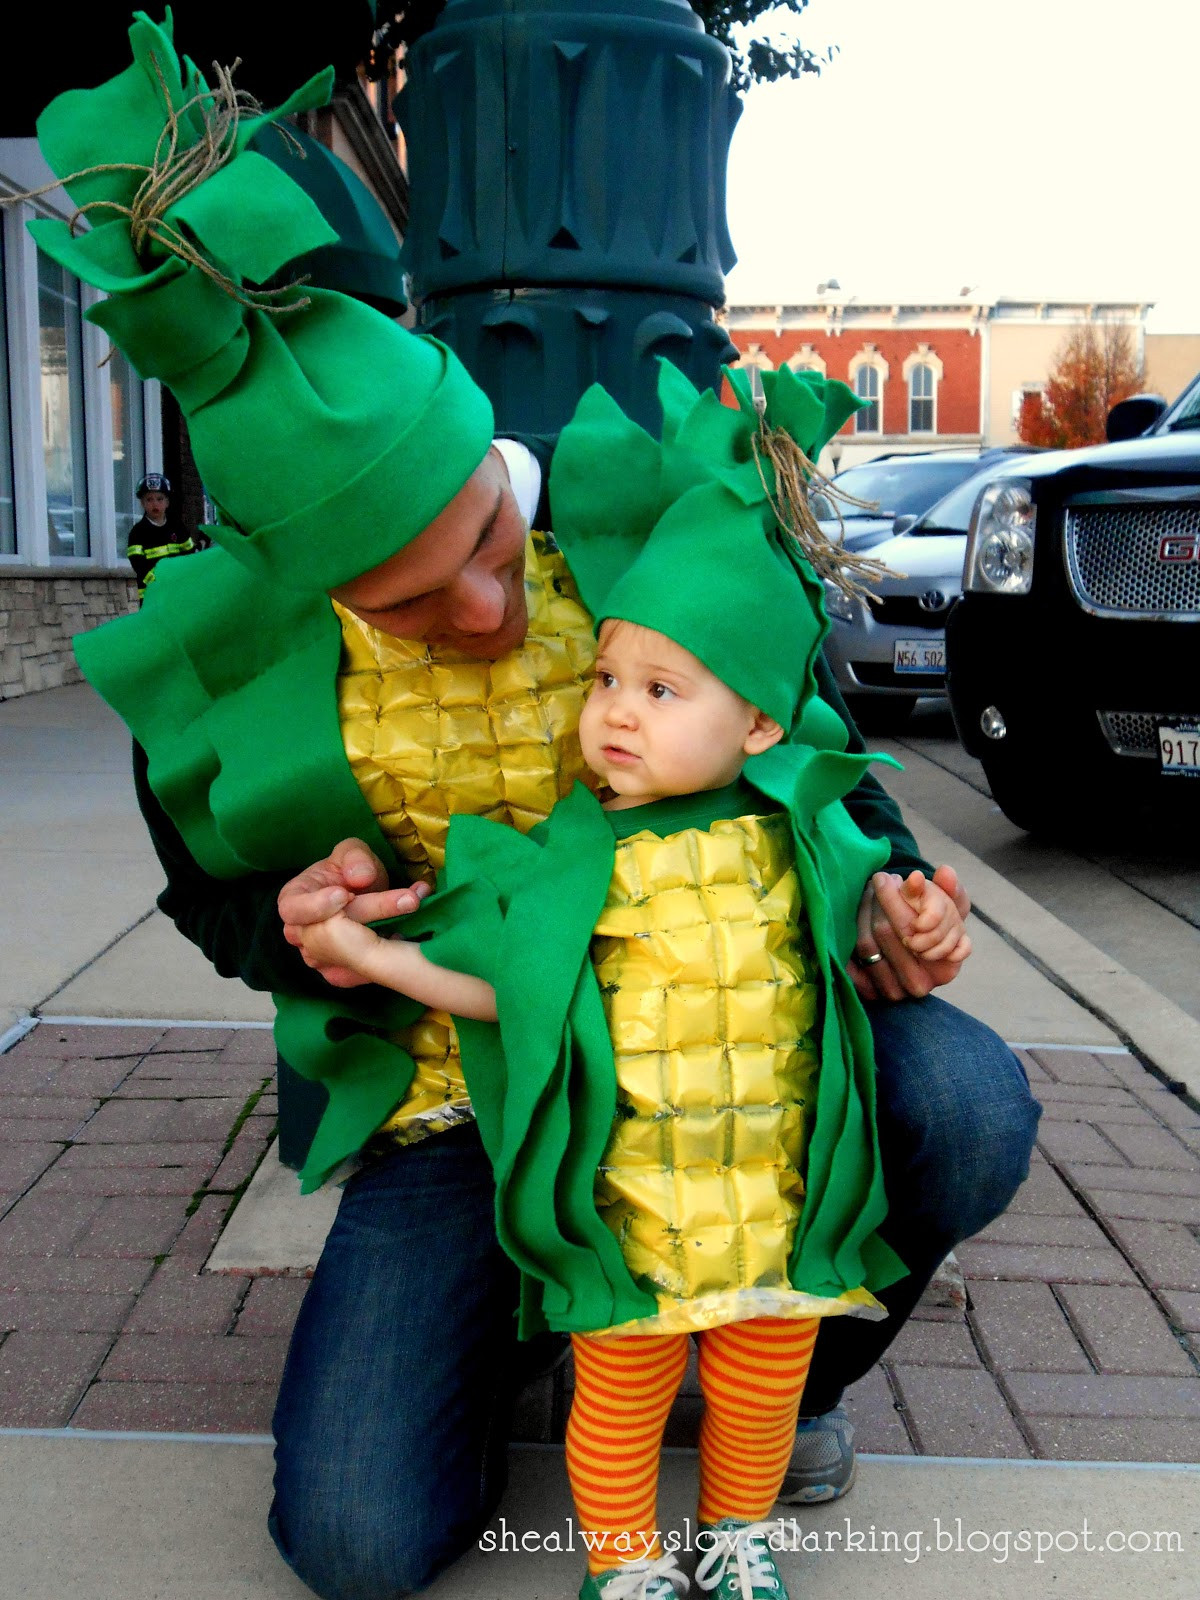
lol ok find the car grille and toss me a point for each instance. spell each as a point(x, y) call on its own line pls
point(906, 611)
point(1135, 733)
point(1113, 560)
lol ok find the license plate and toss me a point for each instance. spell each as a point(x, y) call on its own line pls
point(919, 655)
point(1179, 748)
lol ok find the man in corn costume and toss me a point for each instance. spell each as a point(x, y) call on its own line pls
point(296, 750)
point(740, 1176)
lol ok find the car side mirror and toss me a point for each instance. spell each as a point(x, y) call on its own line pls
point(1129, 419)
point(903, 524)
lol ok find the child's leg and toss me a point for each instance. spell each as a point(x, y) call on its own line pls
point(752, 1376)
point(623, 1393)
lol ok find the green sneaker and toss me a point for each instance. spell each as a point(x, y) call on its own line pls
point(637, 1580)
point(738, 1563)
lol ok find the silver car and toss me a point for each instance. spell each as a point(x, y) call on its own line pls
point(885, 652)
point(894, 490)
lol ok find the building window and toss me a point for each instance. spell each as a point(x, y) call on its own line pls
point(866, 386)
point(808, 359)
point(60, 348)
point(756, 356)
point(128, 443)
point(920, 399)
point(78, 427)
point(8, 518)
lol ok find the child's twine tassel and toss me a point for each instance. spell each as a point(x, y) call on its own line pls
point(794, 477)
point(175, 172)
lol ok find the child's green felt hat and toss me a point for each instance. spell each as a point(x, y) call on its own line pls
point(683, 536)
point(327, 435)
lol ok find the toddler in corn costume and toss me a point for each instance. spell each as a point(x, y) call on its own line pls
point(739, 1178)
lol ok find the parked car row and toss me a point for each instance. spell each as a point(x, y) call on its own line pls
point(1073, 656)
point(1056, 597)
point(887, 652)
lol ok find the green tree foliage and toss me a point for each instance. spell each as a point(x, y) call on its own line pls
point(763, 61)
point(756, 61)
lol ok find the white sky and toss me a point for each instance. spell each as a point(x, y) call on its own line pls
point(1031, 148)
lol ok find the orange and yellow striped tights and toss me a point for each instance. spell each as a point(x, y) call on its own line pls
point(751, 1376)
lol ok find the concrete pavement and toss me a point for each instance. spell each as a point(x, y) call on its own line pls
point(125, 1144)
point(182, 1519)
point(78, 879)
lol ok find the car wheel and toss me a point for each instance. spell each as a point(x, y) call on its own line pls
point(882, 713)
point(1052, 804)
point(1025, 801)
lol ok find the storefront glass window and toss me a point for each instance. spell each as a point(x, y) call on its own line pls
point(8, 521)
point(129, 443)
point(60, 341)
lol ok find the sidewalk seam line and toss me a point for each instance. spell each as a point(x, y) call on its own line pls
point(92, 960)
point(1093, 1007)
point(144, 1022)
point(117, 1436)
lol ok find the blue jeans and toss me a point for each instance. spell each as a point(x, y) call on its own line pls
point(393, 1410)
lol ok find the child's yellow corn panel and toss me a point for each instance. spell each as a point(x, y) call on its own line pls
point(705, 966)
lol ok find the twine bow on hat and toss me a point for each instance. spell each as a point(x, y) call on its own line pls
point(184, 216)
point(187, 224)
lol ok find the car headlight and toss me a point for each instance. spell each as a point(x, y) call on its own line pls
point(841, 606)
point(999, 557)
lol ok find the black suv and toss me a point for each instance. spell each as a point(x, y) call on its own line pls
point(1073, 655)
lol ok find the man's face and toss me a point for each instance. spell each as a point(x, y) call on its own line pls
point(657, 722)
point(460, 583)
point(154, 504)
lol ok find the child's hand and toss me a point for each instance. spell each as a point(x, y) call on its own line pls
point(883, 966)
point(935, 932)
point(351, 879)
point(339, 944)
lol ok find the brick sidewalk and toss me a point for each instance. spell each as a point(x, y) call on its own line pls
point(122, 1149)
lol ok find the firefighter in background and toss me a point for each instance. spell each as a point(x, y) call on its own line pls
point(158, 534)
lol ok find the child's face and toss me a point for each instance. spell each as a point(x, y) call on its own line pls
point(658, 723)
point(154, 504)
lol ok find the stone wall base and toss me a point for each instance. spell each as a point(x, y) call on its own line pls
point(39, 616)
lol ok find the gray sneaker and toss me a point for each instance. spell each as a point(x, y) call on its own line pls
point(822, 1465)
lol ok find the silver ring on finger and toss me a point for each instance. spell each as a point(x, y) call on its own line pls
point(869, 961)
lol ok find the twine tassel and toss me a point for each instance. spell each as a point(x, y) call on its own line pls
point(175, 172)
point(794, 476)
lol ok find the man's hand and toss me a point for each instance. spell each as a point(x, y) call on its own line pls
point(352, 880)
point(915, 926)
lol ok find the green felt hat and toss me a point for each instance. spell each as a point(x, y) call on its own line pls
point(683, 536)
point(328, 436)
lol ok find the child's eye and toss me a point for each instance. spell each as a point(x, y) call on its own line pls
point(605, 680)
point(660, 691)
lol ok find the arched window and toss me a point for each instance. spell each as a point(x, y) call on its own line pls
point(755, 356)
point(808, 359)
point(920, 399)
point(923, 371)
point(867, 387)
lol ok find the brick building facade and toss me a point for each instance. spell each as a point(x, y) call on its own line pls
point(920, 368)
point(938, 374)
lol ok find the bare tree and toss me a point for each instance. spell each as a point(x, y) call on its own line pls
point(1094, 368)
